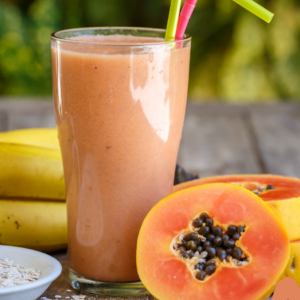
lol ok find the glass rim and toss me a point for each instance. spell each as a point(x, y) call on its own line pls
point(54, 36)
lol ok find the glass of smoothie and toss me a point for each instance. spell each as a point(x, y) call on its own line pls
point(120, 97)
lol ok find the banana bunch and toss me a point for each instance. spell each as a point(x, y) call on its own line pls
point(32, 190)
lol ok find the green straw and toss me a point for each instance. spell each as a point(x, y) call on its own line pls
point(173, 20)
point(256, 9)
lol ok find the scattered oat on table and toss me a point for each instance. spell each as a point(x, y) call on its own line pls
point(80, 297)
point(11, 275)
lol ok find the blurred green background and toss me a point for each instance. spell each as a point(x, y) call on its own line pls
point(236, 57)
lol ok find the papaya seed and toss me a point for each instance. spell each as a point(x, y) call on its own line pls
point(191, 236)
point(190, 254)
point(191, 245)
point(199, 249)
point(216, 230)
point(293, 265)
point(229, 251)
point(200, 266)
point(270, 187)
point(210, 237)
point(204, 231)
point(231, 230)
point(203, 217)
point(201, 275)
point(181, 248)
point(197, 223)
point(236, 236)
point(209, 222)
point(210, 269)
point(184, 254)
point(237, 253)
point(198, 241)
point(218, 249)
point(240, 229)
point(222, 254)
point(210, 262)
point(183, 243)
point(206, 244)
point(217, 241)
point(211, 251)
point(229, 243)
point(225, 237)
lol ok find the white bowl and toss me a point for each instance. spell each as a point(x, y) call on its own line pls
point(49, 267)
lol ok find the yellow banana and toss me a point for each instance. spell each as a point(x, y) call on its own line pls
point(31, 172)
point(40, 225)
point(41, 137)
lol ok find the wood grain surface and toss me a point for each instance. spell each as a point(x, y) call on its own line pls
point(61, 286)
point(217, 139)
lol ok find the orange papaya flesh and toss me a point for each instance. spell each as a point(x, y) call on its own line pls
point(284, 199)
point(167, 277)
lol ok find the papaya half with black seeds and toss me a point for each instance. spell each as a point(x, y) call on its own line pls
point(213, 241)
point(281, 193)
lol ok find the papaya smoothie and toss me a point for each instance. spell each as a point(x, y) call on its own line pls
point(120, 103)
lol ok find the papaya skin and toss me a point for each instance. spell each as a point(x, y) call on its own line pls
point(293, 267)
point(289, 212)
point(219, 200)
point(285, 201)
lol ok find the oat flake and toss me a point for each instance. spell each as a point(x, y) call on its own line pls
point(80, 297)
point(11, 275)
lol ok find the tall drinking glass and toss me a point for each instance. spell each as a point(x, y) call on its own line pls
point(120, 97)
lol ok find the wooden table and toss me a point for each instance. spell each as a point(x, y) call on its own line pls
point(217, 139)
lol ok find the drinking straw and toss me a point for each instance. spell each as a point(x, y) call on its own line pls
point(184, 18)
point(173, 20)
point(189, 6)
point(256, 9)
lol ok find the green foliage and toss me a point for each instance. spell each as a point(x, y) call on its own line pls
point(25, 67)
point(235, 56)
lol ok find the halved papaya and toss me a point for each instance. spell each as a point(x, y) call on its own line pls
point(281, 193)
point(172, 268)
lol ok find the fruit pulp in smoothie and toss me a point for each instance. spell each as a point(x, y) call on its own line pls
point(119, 116)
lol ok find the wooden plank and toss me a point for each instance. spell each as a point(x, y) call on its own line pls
point(28, 114)
point(61, 286)
point(217, 142)
point(3, 121)
point(37, 119)
point(25, 104)
point(278, 140)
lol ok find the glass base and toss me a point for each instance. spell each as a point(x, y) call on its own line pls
point(93, 287)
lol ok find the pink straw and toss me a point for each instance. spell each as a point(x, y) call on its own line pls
point(184, 18)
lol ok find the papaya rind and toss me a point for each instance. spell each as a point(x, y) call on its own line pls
point(251, 177)
point(144, 235)
point(295, 254)
point(289, 212)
